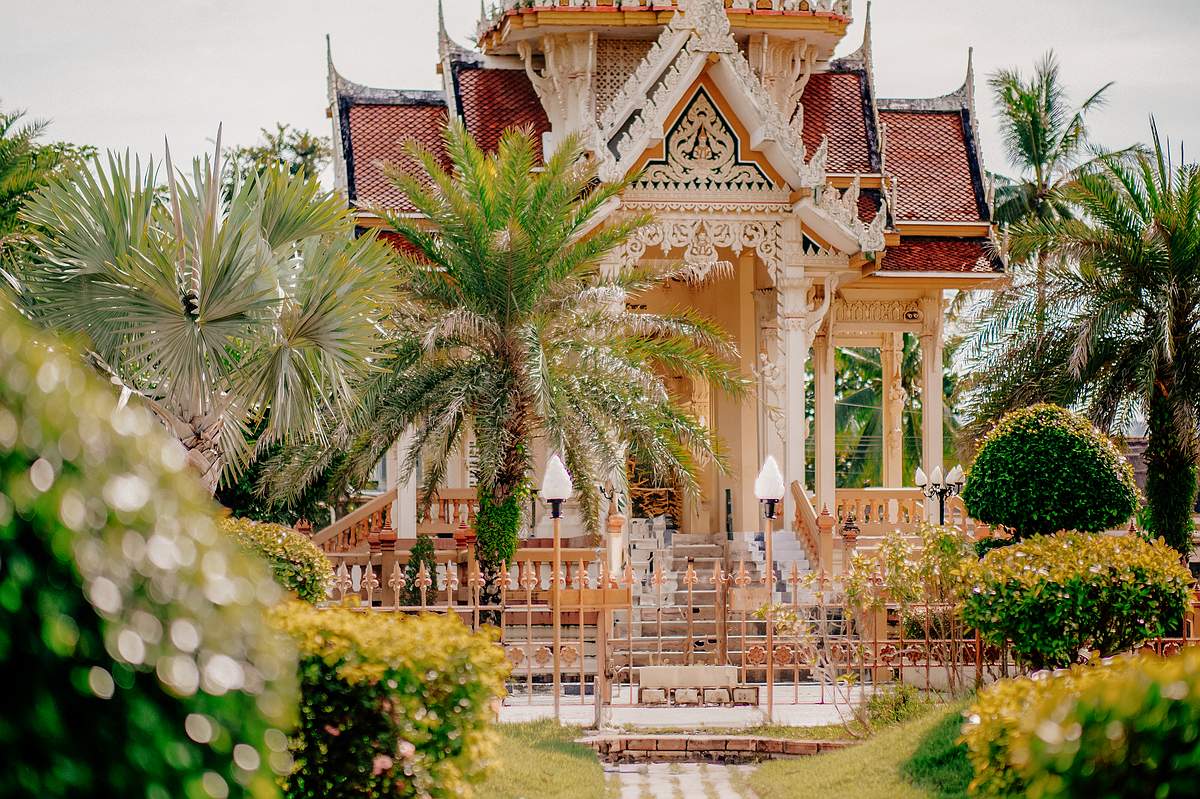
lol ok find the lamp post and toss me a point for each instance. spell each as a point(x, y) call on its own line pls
point(941, 487)
point(769, 489)
point(556, 487)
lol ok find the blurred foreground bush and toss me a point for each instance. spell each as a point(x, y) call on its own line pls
point(134, 653)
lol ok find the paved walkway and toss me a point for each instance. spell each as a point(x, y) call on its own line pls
point(682, 781)
point(808, 712)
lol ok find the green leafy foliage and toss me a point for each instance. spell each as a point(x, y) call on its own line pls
point(496, 527)
point(1129, 734)
point(1126, 728)
point(422, 552)
point(297, 564)
point(1053, 596)
point(133, 648)
point(1043, 469)
point(896, 705)
point(391, 705)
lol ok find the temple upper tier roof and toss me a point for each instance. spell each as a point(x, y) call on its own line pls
point(858, 167)
point(504, 23)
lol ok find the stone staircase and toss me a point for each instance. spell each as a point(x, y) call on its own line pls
point(668, 626)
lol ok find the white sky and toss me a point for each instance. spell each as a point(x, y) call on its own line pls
point(124, 73)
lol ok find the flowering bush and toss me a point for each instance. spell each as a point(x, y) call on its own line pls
point(1053, 596)
point(133, 651)
point(1043, 469)
point(297, 563)
point(391, 706)
point(1122, 729)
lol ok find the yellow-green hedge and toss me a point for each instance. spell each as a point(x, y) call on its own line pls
point(392, 706)
point(1129, 728)
point(298, 565)
point(1051, 596)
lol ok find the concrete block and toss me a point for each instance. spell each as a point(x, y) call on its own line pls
point(716, 696)
point(687, 696)
point(653, 696)
point(745, 696)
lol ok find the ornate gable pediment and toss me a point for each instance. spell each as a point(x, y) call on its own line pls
point(702, 151)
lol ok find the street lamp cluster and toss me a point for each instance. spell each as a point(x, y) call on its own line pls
point(943, 488)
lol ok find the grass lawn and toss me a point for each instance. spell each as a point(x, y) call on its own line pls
point(539, 760)
point(915, 760)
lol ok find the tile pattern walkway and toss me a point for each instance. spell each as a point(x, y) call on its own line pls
point(681, 781)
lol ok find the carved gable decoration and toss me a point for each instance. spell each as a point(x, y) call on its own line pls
point(702, 152)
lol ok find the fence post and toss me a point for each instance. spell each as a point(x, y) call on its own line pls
point(387, 563)
point(825, 542)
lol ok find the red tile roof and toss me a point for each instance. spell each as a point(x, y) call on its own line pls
point(493, 100)
point(833, 107)
point(377, 136)
point(928, 153)
point(930, 254)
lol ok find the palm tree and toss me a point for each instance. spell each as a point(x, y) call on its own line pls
point(223, 315)
point(1046, 140)
point(508, 326)
point(1123, 318)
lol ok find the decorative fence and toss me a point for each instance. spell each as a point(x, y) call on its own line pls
point(612, 625)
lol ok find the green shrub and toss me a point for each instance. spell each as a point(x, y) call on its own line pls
point(422, 552)
point(896, 705)
point(1133, 733)
point(391, 705)
point(1052, 596)
point(297, 563)
point(1043, 469)
point(997, 731)
point(133, 650)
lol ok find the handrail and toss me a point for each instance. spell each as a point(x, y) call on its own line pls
point(806, 522)
point(346, 525)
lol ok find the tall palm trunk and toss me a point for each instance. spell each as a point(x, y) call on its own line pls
point(1170, 470)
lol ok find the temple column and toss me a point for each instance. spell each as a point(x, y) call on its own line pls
point(825, 423)
point(794, 341)
point(404, 508)
point(932, 445)
point(891, 356)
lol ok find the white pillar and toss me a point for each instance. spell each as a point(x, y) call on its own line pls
point(891, 356)
point(931, 390)
point(825, 423)
point(404, 509)
point(795, 353)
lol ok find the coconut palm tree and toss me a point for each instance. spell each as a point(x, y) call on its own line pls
point(509, 327)
point(1123, 318)
point(221, 314)
point(1046, 141)
point(1048, 145)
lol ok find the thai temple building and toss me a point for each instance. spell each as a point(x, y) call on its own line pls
point(813, 213)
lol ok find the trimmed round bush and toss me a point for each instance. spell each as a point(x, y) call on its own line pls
point(134, 653)
point(1043, 469)
point(1053, 596)
point(296, 562)
point(391, 705)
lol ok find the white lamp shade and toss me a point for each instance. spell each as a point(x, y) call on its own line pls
point(921, 479)
point(556, 483)
point(937, 475)
point(769, 484)
point(956, 475)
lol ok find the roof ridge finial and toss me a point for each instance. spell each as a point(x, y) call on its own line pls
point(866, 42)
